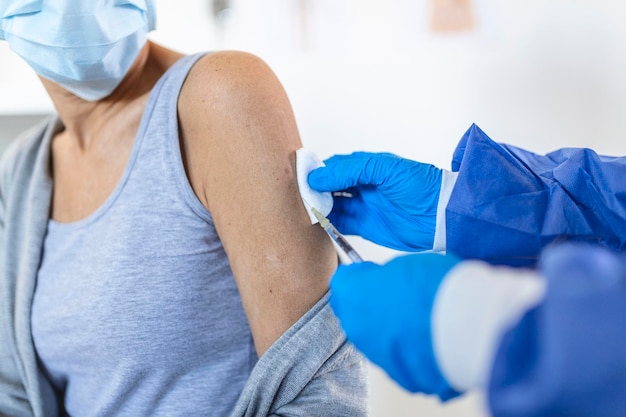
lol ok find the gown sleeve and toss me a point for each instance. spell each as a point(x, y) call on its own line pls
point(567, 355)
point(508, 203)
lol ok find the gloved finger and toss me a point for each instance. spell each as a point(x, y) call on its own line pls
point(335, 177)
point(347, 215)
point(345, 171)
point(349, 299)
point(380, 168)
point(360, 155)
point(330, 177)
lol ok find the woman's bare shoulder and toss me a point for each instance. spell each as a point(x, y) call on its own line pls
point(229, 79)
point(232, 106)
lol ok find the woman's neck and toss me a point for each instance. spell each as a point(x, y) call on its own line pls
point(84, 120)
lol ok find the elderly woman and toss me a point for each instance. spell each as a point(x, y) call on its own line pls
point(139, 274)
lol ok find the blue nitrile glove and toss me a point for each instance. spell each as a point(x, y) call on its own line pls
point(393, 200)
point(386, 313)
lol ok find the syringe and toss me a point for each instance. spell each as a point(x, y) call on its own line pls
point(337, 237)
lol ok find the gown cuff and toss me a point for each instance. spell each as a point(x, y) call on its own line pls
point(448, 179)
point(475, 305)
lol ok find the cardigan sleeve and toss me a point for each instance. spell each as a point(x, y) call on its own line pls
point(13, 397)
point(311, 370)
point(24, 206)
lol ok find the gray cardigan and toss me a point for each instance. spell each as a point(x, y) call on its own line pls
point(310, 371)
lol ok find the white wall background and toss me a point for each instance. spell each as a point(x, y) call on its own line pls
point(368, 75)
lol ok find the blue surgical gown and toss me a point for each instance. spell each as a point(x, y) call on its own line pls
point(511, 203)
point(567, 356)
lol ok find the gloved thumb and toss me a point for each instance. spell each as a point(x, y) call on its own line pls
point(349, 299)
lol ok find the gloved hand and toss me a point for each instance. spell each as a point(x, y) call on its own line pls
point(385, 312)
point(393, 200)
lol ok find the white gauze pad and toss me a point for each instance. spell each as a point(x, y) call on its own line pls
point(307, 161)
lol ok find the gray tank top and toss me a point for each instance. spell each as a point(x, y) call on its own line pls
point(136, 312)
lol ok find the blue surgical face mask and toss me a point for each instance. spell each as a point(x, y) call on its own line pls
point(85, 46)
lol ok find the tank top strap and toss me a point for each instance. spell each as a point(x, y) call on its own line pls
point(158, 153)
point(164, 98)
point(171, 83)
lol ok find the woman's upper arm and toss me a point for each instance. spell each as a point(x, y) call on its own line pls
point(239, 138)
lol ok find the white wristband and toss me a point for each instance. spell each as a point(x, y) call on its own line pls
point(448, 179)
point(475, 305)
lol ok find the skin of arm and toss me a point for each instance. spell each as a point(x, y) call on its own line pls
point(238, 140)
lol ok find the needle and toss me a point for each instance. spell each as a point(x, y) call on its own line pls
point(337, 237)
